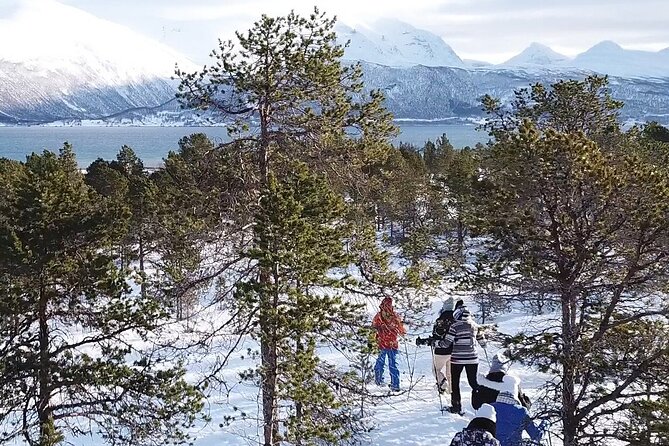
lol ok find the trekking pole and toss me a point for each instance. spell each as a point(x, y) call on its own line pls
point(409, 368)
point(436, 379)
point(485, 350)
point(550, 437)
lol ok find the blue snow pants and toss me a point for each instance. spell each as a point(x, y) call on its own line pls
point(392, 365)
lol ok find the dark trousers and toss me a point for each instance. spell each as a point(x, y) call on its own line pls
point(456, 371)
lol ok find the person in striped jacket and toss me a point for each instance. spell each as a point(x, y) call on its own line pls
point(462, 336)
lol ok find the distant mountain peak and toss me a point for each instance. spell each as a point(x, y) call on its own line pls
point(393, 42)
point(536, 54)
point(606, 46)
point(50, 35)
point(608, 57)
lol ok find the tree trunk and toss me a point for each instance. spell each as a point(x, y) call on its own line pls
point(461, 234)
point(44, 370)
point(268, 351)
point(569, 409)
point(298, 405)
point(269, 363)
point(142, 247)
point(141, 265)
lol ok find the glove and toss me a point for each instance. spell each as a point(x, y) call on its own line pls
point(420, 341)
point(483, 343)
point(543, 426)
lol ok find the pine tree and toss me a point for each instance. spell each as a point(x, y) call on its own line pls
point(204, 198)
point(299, 238)
point(567, 106)
point(126, 181)
point(586, 228)
point(66, 367)
point(290, 98)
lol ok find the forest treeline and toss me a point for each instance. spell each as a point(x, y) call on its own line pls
point(285, 234)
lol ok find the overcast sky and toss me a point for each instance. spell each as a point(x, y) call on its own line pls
point(490, 30)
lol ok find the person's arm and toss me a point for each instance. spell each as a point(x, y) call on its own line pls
point(480, 337)
point(524, 399)
point(433, 336)
point(534, 432)
point(377, 322)
point(400, 327)
point(448, 339)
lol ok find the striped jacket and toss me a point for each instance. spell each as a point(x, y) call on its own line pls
point(461, 336)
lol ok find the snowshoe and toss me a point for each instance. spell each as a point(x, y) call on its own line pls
point(456, 410)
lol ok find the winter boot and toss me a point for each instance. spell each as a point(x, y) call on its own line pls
point(456, 409)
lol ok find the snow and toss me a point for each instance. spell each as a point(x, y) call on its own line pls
point(46, 36)
point(536, 54)
point(610, 58)
point(606, 57)
point(410, 418)
point(395, 43)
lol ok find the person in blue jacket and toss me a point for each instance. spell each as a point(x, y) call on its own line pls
point(513, 418)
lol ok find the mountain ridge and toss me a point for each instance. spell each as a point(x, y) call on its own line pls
point(415, 68)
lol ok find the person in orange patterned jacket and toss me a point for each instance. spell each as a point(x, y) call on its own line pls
point(388, 326)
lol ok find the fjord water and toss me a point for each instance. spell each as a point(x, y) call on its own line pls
point(153, 143)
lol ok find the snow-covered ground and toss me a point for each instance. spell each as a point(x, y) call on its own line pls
point(410, 418)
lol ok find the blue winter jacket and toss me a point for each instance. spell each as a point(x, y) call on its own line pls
point(512, 420)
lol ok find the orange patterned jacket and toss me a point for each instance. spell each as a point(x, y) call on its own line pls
point(387, 325)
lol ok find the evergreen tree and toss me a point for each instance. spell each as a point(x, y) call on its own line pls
point(438, 155)
point(128, 184)
point(290, 98)
point(113, 185)
point(656, 132)
point(204, 198)
point(66, 368)
point(299, 238)
point(587, 229)
point(567, 106)
point(401, 203)
point(646, 422)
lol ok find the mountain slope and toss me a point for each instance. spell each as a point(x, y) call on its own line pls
point(65, 63)
point(433, 93)
point(610, 58)
point(536, 55)
point(398, 44)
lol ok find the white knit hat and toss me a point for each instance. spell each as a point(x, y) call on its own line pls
point(487, 411)
point(499, 364)
point(508, 390)
point(447, 306)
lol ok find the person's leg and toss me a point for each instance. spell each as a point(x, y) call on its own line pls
point(379, 366)
point(435, 366)
point(441, 363)
point(394, 371)
point(472, 371)
point(447, 367)
point(456, 371)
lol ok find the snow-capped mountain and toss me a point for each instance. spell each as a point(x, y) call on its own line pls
point(605, 58)
point(58, 62)
point(397, 44)
point(433, 93)
point(610, 58)
point(536, 55)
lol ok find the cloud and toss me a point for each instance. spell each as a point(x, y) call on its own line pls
point(485, 29)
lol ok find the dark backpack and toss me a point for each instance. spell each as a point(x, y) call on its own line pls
point(440, 329)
